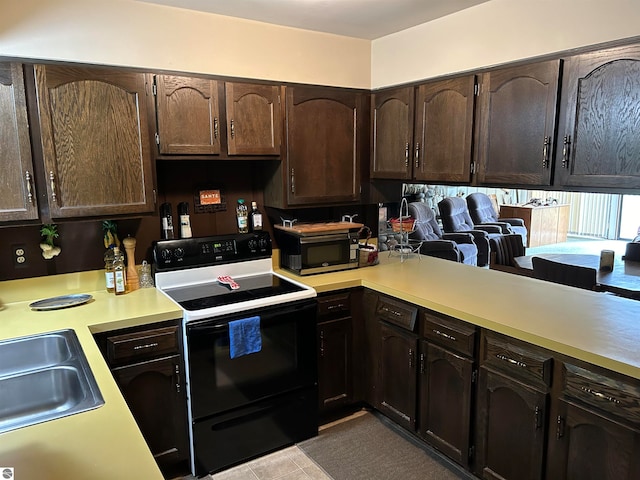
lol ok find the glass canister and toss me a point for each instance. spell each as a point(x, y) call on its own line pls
point(146, 280)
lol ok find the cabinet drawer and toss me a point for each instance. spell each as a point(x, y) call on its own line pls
point(616, 397)
point(142, 345)
point(334, 305)
point(517, 358)
point(449, 332)
point(398, 313)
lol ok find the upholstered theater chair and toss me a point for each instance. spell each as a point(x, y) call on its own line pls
point(458, 247)
point(455, 219)
point(482, 212)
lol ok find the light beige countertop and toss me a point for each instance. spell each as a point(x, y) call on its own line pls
point(105, 443)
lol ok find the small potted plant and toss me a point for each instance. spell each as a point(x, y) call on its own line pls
point(49, 250)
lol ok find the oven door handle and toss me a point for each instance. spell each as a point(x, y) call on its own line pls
point(276, 317)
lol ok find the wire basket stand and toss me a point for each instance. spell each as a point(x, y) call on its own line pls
point(406, 247)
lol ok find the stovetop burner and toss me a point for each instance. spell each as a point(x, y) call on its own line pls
point(215, 294)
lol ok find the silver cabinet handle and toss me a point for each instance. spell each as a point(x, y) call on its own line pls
point(27, 180)
point(406, 154)
point(233, 129)
point(600, 395)
point(566, 151)
point(146, 345)
point(293, 182)
point(52, 180)
point(215, 128)
point(444, 335)
point(517, 363)
point(545, 151)
point(417, 154)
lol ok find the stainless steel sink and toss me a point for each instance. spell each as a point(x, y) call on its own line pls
point(44, 377)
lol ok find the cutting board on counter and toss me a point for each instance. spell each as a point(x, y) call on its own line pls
point(319, 228)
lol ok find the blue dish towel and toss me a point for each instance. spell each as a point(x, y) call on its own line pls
point(244, 337)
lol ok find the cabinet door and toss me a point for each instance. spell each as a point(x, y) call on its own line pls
point(511, 428)
point(516, 124)
point(334, 363)
point(598, 141)
point(18, 200)
point(398, 379)
point(253, 119)
point(588, 446)
point(445, 401)
point(324, 136)
point(95, 141)
point(444, 130)
point(187, 112)
point(153, 391)
point(392, 134)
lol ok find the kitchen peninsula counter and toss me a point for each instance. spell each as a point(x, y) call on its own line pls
point(105, 443)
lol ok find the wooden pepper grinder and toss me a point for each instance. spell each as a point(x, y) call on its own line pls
point(133, 282)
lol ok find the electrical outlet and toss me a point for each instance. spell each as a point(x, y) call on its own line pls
point(19, 256)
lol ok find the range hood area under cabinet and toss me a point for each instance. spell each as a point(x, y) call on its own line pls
point(203, 116)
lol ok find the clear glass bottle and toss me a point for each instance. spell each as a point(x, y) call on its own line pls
point(108, 270)
point(255, 218)
point(119, 272)
point(242, 215)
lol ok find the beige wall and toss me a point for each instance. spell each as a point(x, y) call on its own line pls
point(497, 32)
point(124, 32)
point(129, 33)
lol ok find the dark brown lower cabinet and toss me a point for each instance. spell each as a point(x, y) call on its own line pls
point(510, 437)
point(445, 401)
point(334, 363)
point(153, 393)
point(589, 446)
point(146, 363)
point(398, 357)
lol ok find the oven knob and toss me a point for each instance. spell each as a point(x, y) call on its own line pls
point(178, 252)
point(252, 244)
point(166, 255)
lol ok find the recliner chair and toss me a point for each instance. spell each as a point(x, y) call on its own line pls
point(482, 212)
point(455, 219)
point(458, 247)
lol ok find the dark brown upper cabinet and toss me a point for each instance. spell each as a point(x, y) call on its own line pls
point(424, 133)
point(18, 200)
point(253, 119)
point(326, 133)
point(392, 133)
point(187, 114)
point(444, 130)
point(599, 135)
point(516, 120)
point(95, 141)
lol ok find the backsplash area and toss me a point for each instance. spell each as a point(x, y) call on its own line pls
point(81, 241)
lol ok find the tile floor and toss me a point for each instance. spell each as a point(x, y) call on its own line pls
point(287, 464)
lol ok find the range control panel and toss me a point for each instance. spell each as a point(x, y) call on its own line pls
point(205, 251)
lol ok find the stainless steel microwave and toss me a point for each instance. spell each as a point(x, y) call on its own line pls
point(317, 253)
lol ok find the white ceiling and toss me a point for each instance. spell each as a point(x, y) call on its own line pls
point(368, 19)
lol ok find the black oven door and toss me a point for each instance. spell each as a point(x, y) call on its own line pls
point(286, 362)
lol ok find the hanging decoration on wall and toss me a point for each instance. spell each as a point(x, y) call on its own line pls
point(110, 234)
point(209, 200)
point(49, 250)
